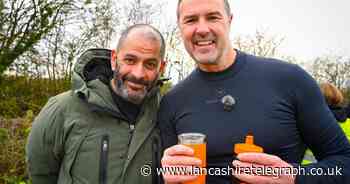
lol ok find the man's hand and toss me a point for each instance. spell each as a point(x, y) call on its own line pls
point(263, 161)
point(179, 156)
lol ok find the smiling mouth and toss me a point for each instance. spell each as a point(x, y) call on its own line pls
point(135, 86)
point(204, 43)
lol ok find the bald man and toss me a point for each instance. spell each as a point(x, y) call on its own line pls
point(103, 130)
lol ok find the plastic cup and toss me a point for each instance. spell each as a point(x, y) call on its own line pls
point(197, 142)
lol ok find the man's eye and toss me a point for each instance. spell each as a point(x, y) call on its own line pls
point(213, 18)
point(129, 61)
point(188, 21)
point(151, 66)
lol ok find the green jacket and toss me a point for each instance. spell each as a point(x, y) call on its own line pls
point(81, 137)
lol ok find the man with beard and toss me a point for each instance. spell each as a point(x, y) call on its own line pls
point(103, 130)
point(231, 94)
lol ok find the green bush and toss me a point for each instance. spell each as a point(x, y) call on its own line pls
point(3, 135)
point(14, 133)
point(20, 94)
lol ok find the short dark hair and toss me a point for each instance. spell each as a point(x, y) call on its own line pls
point(146, 27)
point(226, 3)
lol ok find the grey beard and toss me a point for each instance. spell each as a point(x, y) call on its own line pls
point(122, 91)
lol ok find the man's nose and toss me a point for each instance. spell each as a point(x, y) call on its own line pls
point(202, 28)
point(139, 71)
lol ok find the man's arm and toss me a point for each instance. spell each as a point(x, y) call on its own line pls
point(166, 124)
point(172, 151)
point(321, 133)
point(45, 144)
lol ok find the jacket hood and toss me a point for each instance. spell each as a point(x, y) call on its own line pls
point(91, 75)
point(92, 64)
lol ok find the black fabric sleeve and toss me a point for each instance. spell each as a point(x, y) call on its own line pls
point(321, 133)
point(166, 124)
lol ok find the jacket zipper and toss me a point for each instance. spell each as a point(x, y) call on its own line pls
point(156, 179)
point(104, 159)
point(131, 131)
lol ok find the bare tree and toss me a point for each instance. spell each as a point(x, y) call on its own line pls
point(71, 49)
point(83, 25)
point(137, 11)
point(23, 23)
point(179, 64)
point(76, 30)
point(103, 22)
point(333, 69)
point(259, 44)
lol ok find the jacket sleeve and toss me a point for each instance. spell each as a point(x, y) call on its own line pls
point(44, 148)
point(322, 134)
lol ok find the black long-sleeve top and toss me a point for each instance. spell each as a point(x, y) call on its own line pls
point(278, 102)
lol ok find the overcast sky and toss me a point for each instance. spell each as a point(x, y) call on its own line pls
point(311, 28)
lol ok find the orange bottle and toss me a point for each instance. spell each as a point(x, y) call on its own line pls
point(247, 147)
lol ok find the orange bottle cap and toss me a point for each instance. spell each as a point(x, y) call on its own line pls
point(248, 146)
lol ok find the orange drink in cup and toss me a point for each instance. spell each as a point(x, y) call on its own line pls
point(196, 141)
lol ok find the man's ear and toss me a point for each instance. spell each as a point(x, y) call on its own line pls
point(162, 67)
point(230, 18)
point(113, 59)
